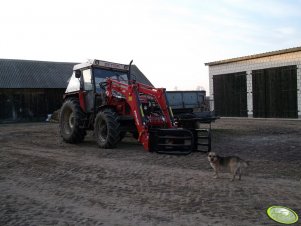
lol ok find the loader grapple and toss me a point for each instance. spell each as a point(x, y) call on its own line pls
point(171, 141)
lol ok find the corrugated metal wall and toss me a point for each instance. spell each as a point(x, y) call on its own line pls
point(29, 104)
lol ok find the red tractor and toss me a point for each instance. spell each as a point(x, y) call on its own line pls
point(103, 97)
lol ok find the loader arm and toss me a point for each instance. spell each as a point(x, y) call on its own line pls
point(131, 94)
point(152, 139)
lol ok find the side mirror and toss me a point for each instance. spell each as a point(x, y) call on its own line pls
point(78, 74)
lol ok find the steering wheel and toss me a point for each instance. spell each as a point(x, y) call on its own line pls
point(103, 85)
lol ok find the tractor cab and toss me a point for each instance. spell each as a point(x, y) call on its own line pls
point(89, 79)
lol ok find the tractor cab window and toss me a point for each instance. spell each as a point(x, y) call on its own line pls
point(100, 75)
point(87, 79)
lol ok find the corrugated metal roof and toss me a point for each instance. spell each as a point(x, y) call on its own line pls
point(272, 53)
point(43, 74)
point(34, 74)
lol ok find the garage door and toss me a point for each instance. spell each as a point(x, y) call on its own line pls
point(230, 94)
point(275, 92)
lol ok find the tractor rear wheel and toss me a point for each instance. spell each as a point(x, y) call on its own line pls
point(107, 129)
point(70, 118)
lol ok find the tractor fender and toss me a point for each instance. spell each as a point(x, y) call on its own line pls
point(77, 95)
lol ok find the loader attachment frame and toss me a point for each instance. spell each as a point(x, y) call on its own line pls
point(171, 141)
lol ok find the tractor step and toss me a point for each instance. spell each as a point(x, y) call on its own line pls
point(171, 141)
point(202, 137)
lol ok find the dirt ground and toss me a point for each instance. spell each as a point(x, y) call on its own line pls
point(44, 181)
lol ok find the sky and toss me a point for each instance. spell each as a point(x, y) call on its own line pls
point(169, 40)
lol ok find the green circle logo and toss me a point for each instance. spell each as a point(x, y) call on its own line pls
point(282, 214)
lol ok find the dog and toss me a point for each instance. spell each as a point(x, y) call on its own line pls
point(233, 164)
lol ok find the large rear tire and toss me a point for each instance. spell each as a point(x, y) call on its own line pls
point(70, 118)
point(107, 129)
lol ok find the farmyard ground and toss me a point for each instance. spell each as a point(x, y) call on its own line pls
point(44, 181)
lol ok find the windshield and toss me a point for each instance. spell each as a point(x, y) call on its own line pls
point(100, 75)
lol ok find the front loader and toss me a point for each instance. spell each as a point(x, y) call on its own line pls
point(103, 97)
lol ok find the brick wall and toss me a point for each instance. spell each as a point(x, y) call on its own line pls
point(255, 64)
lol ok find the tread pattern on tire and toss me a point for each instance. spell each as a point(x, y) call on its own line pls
point(113, 128)
point(77, 134)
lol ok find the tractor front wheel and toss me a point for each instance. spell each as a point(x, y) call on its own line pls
point(107, 129)
point(70, 117)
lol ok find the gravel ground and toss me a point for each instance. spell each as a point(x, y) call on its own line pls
point(44, 181)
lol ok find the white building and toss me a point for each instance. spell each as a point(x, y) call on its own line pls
point(266, 85)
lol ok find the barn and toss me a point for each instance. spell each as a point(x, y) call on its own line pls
point(29, 90)
point(266, 85)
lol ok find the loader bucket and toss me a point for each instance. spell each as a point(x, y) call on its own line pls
point(171, 141)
